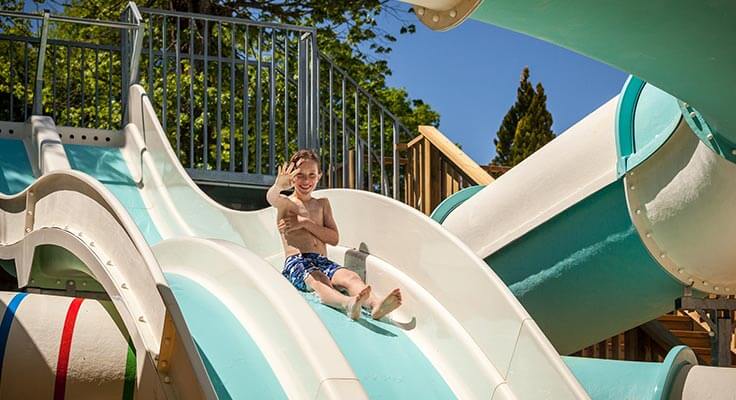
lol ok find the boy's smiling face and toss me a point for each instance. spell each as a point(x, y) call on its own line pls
point(307, 178)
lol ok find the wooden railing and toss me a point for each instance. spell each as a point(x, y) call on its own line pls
point(654, 339)
point(437, 168)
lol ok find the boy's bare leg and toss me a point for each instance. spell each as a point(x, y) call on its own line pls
point(333, 298)
point(354, 285)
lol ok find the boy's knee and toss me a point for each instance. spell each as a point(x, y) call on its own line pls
point(318, 276)
point(352, 277)
point(355, 277)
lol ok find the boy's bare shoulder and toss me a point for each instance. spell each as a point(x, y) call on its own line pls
point(289, 205)
point(324, 202)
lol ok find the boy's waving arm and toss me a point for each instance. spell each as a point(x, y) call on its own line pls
point(283, 182)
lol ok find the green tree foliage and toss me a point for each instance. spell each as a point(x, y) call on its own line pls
point(526, 127)
point(347, 32)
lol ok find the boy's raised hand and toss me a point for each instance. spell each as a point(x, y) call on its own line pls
point(286, 175)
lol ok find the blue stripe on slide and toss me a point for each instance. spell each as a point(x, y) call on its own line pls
point(6, 323)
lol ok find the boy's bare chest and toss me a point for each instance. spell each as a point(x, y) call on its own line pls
point(312, 210)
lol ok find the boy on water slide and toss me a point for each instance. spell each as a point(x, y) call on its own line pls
point(306, 225)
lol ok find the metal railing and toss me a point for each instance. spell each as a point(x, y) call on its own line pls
point(360, 134)
point(77, 82)
point(236, 97)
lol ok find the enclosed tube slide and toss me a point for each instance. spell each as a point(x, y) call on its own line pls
point(63, 347)
point(621, 236)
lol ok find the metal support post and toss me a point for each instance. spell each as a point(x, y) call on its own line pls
point(38, 90)
point(396, 160)
point(302, 101)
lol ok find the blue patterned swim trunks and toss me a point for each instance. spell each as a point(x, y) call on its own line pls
point(297, 267)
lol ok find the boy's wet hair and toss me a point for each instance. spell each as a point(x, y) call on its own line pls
point(305, 154)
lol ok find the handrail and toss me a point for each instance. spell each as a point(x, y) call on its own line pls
point(455, 155)
point(48, 65)
point(74, 20)
point(217, 18)
point(332, 64)
point(437, 169)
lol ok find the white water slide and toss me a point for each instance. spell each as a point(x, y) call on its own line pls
point(460, 332)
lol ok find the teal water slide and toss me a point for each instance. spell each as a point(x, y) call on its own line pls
point(223, 266)
point(383, 357)
point(15, 169)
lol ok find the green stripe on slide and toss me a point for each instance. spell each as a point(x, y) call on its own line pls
point(129, 383)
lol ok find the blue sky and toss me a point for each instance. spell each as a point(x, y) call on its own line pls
point(470, 75)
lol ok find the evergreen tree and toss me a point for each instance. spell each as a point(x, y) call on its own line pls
point(526, 127)
point(507, 131)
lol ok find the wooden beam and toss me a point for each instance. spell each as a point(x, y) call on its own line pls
point(426, 177)
point(455, 155)
point(616, 347)
point(435, 180)
point(168, 338)
point(631, 339)
point(351, 169)
point(602, 349)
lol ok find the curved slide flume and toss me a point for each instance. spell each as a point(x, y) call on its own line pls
point(66, 224)
point(438, 344)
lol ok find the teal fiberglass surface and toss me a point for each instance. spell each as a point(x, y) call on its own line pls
point(235, 364)
point(683, 47)
point(656, 116)
point(15, 169)
point(633, 379)
point(585, 275)
point(388, 364)
point(613, 379)
point(449, 204)
point(107, 165)
point(385, 360)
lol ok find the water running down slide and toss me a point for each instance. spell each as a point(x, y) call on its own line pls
point(437, 345)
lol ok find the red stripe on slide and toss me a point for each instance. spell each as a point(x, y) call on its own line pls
point(65, 348)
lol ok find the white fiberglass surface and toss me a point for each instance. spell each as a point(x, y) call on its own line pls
point(543, 185)
point(468, 295)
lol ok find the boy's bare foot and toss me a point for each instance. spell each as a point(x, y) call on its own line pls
point(356, 303)
point(388, 304)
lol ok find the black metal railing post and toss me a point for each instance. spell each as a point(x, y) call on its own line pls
point(38, 89)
